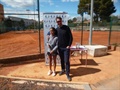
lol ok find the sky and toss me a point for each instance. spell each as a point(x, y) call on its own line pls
point(30, 6)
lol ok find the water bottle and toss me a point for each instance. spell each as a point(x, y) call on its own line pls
point(77, 45)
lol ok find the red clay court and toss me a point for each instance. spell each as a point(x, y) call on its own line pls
point(17, 43)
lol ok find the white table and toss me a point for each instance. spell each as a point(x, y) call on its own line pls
point(82, 49)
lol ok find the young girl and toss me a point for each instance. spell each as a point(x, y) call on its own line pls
point(52, 50)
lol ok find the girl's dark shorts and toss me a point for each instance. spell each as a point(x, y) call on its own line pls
point(53, 54)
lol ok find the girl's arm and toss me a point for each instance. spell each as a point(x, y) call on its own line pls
point(56, 44)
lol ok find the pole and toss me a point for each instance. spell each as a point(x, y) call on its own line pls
point(82, 30)
point(110, 30)
point(39, 26)
point(34, 15)
point(91, 24)
point(88, 14)
point(28, 12)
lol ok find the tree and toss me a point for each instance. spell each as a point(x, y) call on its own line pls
point(8, 23)
point(102, 9)
point(82, 7)
point(106, 9)
point(22, 23)
point(70, 21)
point(115, 19)
point(96, 10)
point(74, 19)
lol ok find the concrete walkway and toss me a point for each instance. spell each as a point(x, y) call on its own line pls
point(110, 84)
point(39, 84)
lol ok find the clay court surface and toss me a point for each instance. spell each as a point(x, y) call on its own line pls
point(101, 72)
point(17, 43)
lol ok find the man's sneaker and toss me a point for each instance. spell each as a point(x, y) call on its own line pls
point(69, 78)
point(61, 72)
point(49, 72)
point(53, 74)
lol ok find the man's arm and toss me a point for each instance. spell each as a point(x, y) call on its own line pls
point(70, 37)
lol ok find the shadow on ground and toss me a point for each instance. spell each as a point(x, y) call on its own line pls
point(89, 62)
point(80, 71)
point(20, 63)
point(83, 61)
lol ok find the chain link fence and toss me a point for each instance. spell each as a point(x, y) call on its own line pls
point(19, 33)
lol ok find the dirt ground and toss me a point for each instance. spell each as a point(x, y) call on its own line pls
point(26, 42)
point(102, 73)
point(99, 70)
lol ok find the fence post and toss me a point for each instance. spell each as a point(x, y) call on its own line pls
point(39, 25)
point(110, 30)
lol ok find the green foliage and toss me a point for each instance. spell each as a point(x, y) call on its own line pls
point(82, 7)
point(70, 21)
point(102, 9)
point(34, 26)
point(96, 10)
point(74, 19)
point(72, 24)
point(8, 23)
point(41, 25)
point(115, 20)
point(106, 9)
point(2, 27)
point(22, 23)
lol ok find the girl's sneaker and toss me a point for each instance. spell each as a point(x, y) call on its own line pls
point(53, 74)
point(49, 72)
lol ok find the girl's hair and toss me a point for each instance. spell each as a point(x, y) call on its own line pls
point(55, 31)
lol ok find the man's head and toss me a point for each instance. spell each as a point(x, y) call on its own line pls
point(59, 21)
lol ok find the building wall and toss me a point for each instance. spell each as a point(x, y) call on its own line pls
point(1, 13)
point(27, 21)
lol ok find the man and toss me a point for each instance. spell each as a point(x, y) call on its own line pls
point(64, 42)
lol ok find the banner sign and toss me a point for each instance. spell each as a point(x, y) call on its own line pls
point(49, 20)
